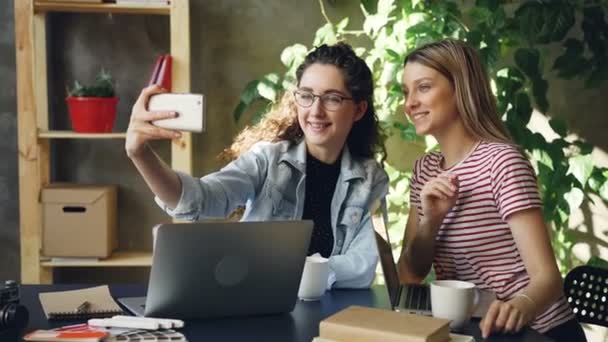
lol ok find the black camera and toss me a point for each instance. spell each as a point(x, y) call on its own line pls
point(13, 316)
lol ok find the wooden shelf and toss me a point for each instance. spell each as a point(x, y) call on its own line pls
point(53, 6)
point(117, 259)
point(34, 132)
point(75, 135)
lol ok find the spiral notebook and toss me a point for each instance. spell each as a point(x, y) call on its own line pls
point(93, 302)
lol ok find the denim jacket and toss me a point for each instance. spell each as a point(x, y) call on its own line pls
point(269, 180)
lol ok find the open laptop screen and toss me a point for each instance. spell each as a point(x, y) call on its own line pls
point(385, 252)
point(412, 298)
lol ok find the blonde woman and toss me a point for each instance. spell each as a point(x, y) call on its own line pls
point(476, 211)
point(315, 161)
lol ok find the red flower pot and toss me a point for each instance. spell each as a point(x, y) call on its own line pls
point(92, 114)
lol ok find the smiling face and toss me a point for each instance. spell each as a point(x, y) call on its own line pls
point(325, 131)
point(430, 101)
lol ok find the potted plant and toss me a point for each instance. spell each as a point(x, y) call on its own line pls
point(93, 108)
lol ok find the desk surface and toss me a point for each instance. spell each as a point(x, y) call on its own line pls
point(300, 325)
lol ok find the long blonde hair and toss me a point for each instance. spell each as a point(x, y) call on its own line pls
point(476, 104)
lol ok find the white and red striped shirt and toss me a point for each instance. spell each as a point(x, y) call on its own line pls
point(474, 242)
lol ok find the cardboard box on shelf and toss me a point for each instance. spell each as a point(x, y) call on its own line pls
point(79, 220)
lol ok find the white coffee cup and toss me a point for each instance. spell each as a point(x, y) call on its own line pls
point(314, 278)
point(454, 300)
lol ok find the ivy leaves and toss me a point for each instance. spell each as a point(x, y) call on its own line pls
point(528, 60)
point(513, 40)
point(545, 21)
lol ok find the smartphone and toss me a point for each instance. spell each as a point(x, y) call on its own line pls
point(190, 109)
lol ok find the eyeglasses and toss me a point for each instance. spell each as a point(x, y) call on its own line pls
point(331, 102)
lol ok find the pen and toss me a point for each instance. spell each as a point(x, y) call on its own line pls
point(78, 326)
point(83, 307)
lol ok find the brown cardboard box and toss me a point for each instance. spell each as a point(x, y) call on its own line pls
point(363, 324)
point(79, 220)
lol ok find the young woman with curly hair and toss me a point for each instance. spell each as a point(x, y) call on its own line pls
point(312, 157)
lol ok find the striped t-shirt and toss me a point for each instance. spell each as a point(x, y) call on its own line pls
point(474, 242)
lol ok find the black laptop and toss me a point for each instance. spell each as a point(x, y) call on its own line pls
point(409, 298)
point(406, 298)
point(222, 269)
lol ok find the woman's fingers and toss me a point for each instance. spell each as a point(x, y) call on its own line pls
point(448, 190)
point(435, 192)
point(449, 181)
point(153, 116)
point(140, 108)
point(512, 321)
point(502, 317)
point(440, 187)
point(153, 132)
point(148, 91)
point(487, 323)
point(520, 323)
point(141, 129)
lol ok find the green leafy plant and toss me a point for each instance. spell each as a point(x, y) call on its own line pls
point(103, 87)
point(513, 39)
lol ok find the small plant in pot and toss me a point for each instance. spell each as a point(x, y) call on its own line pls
point(93, 108)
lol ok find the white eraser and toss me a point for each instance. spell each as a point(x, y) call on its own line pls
point(164, 323)
point(123, 323)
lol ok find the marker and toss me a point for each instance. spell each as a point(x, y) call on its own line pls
point(82, 307)
point(164, 323)
point(122, 323)
point(79, 326)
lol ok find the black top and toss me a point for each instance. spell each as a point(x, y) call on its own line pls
point(321, 181)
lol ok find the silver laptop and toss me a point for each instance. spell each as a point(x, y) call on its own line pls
point(410, 298)
point(221, 269)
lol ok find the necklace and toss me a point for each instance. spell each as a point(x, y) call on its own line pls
point(467, 155)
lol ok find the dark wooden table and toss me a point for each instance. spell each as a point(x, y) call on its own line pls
point(302, 324)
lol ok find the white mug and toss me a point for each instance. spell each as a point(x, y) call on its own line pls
point(314, 278)
point(454, 300)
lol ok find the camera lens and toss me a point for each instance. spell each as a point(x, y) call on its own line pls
point(13, 316)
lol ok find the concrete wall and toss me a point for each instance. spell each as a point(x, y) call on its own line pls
point(9, 200)
point(233, 42)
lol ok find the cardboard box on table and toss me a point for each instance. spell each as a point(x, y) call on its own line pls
point(364, 324)
point(79, 220)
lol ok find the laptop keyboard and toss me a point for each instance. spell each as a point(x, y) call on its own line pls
point(416, 298)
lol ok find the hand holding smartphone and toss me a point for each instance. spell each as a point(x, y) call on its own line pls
point(190, 109)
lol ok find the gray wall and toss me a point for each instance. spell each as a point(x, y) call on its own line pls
point(9, 200)
point(233, 42)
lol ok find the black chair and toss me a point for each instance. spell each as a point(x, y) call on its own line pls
point(586, 289)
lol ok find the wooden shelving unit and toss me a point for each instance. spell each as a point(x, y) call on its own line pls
point(74, 135)
point(52, 6)
point(34, 135)
point(118, 259)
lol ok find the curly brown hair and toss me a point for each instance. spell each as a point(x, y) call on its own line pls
point(278, 124)
point(281, 123)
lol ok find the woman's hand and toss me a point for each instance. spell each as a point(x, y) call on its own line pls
point(507, 317)
point(438, 196)
point(140, 129)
